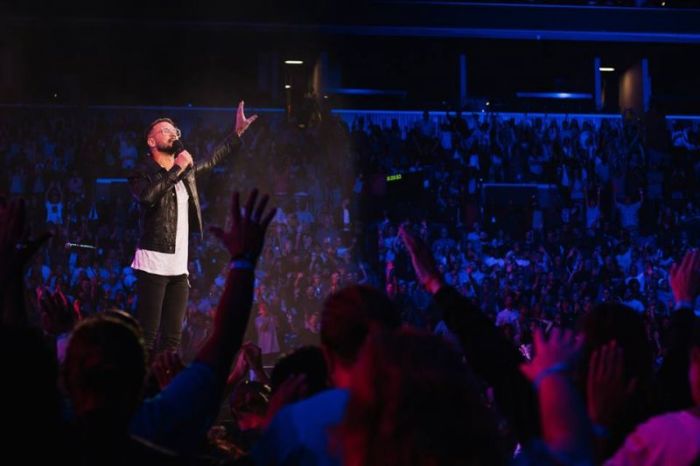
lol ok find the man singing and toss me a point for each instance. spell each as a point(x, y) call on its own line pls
point(165, 186)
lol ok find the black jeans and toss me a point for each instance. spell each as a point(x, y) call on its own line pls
point(161, 306)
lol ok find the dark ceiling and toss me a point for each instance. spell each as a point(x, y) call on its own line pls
point(200, 53)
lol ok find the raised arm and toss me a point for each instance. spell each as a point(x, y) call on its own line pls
point(179, 417)
point(566, 429)
point(684, 279)
point(230, 144)
point(244, 242)
point(15, 252)
point(489, 354)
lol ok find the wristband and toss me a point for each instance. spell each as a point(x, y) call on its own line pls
point(433, 285)
point(559, 368)
point(682, 304)
point(241, 264)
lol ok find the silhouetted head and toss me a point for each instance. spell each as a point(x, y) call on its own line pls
point(413, 401)
point(105, 367)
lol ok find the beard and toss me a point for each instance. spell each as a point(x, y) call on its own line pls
point(168, 148)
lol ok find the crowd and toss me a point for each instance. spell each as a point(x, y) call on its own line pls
point(619, 208)
point(505, 284)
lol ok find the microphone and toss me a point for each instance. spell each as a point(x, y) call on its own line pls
point(79, 246)
point(177, 147)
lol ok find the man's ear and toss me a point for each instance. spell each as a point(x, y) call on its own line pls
point(151, 142)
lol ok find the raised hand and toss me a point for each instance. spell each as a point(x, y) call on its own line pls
point(606, 387)
point(253, 355)
point(554, 354)
point(184, 160)
point(422, 260)
point(291, 390)
point(165, 367)
point(15, 249)
point(15, 252)
point(242, 123)
point(684, 278)
point(239, 371)
point(57, 314)
point(245, 238)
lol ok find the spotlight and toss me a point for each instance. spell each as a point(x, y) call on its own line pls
point(293, 62)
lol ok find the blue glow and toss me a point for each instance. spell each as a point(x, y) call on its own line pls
point(555, 95)
point(359, 91)
point(110, 180)
point(515, 34)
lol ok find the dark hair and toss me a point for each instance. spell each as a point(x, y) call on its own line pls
point(307, 360)
point(106, 358)
point(414, 401)
point(348, 315)
point(153, 123)
point(614, 321)
point(673, 384)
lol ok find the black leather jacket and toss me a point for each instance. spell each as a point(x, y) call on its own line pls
point(154, 188)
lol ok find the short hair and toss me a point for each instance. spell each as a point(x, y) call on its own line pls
point(414, 401)
point(106, 356)
point(153, 123)
point(349, 314)
point(307, 361)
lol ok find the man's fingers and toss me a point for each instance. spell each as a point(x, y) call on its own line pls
point(250, 203)
point(539, 339)
point(685, 262)
point(593, 369)
point(261, 207)
point(236, 208)
point(595, 366)
point(617, 362)
point(408, 239)
point(266, 221)
point(694, 261)
point(611, 360)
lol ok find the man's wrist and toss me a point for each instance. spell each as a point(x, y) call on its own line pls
point(683, 303)
point(554, 369)
point(433, 284)
point(241, 264)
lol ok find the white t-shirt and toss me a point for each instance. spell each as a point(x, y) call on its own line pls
point(160, 263)
point(671, 439)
